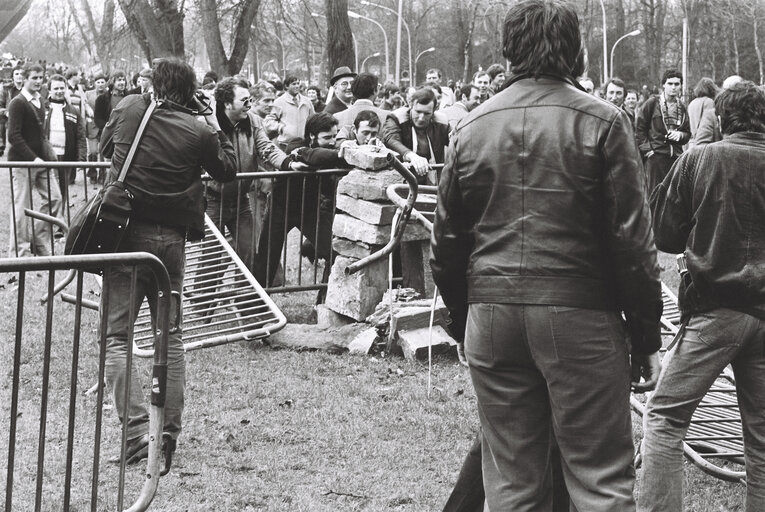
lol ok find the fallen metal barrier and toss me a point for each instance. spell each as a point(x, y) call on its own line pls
point(63, 415)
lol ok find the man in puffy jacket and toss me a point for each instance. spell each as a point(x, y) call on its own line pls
point(541, 241)
point(165, 180)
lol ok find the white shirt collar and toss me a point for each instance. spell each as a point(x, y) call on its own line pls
point(34, 98)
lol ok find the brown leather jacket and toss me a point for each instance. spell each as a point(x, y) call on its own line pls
point(542, 201)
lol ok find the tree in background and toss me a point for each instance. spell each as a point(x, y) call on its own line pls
point(339, 35)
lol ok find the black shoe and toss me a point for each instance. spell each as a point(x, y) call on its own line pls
point(168, 449)
point(136, 450)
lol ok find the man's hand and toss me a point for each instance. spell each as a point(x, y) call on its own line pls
point(648, 367)
point(649, 154)
point(298, 166)
point(419, 164)
point(674, 135)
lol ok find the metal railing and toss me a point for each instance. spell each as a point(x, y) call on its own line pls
point(303, 201)
point(60, 403)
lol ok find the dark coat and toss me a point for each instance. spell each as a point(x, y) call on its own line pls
point(542, 201)
point(334, 106)
point(26, 131)
point(76, 146)
point(166, 175)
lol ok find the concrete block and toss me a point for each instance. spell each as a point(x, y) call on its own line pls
point(368, 185)
point(352, 249)
point(411, 318)
point(362, 343)
point(414, 343)
point(368, 211)
point(351, 228)
point(356, 295)
point(368, 158)
point(327, 319)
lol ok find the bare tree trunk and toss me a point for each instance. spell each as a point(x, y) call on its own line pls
point(227, 66)
point(339, 35)
point(468, 48)
point(157, 26)
point(755, 25)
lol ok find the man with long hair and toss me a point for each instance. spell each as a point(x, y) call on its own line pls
point(541, 241)
point(165, 180)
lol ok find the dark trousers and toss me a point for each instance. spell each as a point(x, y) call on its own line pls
point(657, 167)
point(468, 494)
point(544, 373)
point(296, 202)
point(2, 135)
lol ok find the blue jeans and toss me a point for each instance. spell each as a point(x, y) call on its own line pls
point(543, 371)
point(711, 341)
point(168, 244)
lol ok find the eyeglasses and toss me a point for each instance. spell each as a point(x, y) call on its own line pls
point(344, 85)
point(246, 101)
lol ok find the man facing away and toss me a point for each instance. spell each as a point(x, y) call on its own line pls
point(662, 128)
point(26, 135)
point(364, 89)
point(165, 179)
point(711, 208)
point(541, 240)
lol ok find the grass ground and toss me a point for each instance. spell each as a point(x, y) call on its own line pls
point(266, 429)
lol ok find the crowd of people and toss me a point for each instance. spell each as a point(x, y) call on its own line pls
point(544, 243)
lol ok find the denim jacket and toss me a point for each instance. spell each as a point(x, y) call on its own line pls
point(711, 206)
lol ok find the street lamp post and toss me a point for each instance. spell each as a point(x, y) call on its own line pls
point(423, 52)
point(633, 33)
point(355, 15)
point(605, 43)
point(363, 62)
point(408, 34)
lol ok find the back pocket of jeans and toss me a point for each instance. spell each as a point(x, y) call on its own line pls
point(583, 334)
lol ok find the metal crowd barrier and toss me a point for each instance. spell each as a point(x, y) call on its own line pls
point(222, 302)
point(307, 202)
point(55, 434)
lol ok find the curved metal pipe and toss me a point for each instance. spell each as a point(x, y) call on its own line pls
point(411, 180)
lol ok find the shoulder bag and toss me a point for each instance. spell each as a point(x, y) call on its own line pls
point(99, 226)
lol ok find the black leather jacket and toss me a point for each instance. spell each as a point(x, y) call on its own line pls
point(542, 201)
point(166, 175)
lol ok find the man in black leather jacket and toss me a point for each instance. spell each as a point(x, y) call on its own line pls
point(165, 180)
point(541, 241)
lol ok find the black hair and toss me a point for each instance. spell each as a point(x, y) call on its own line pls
point(494, 70)
point(31, 67)
point(364, 86)
point(370, 116)
point(671, 73)
point(210, 77)
point(224, 90)
point(56, 78)
point(741, 108)
point(543, 36)
point(174, 80)
point(289, 79)
point(424, 96)
point(317, 123)
point(466, 89)
point(618, 82)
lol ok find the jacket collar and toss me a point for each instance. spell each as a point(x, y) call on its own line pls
point(228, 127)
